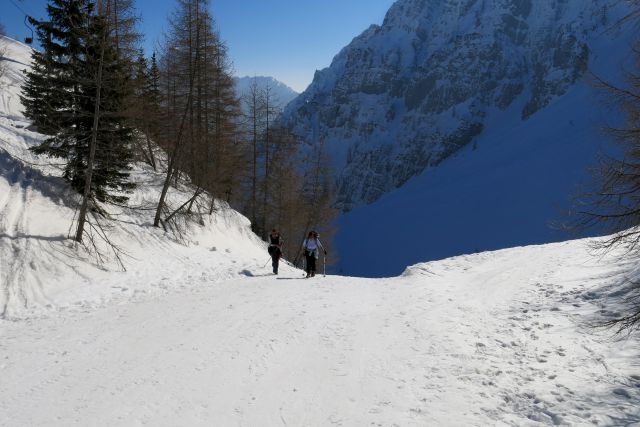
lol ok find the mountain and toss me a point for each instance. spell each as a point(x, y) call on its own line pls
point(515, 184)
point(196, 332)
point(282, 93)
point(404, 96)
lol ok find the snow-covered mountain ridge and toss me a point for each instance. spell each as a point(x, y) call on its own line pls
point(518, 183)
point(405, 95)
point(196, 332)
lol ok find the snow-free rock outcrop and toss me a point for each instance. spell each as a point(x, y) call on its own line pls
point(405, 95)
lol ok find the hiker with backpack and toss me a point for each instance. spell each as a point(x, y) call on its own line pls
point(275, 249)
point(311, 247)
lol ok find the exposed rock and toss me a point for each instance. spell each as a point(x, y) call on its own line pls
point(405, 95)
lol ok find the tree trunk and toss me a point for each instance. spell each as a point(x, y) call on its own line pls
point(94, 140)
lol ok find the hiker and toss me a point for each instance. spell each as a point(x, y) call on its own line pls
point(275, 249)
point(312, 246)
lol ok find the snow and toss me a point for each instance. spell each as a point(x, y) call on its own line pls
point(197, 332)
point(42, 270)
point(488, 339)
point(516, 184)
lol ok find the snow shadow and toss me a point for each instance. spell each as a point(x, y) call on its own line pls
point(16, 172)
point(617, 298)
point(33, 236)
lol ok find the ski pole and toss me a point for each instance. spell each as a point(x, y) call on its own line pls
point(265, 265)
point(324, 265)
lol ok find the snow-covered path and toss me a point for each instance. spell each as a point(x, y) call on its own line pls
point(196, 334)
point(488, 339)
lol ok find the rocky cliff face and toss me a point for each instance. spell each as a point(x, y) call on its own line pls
point(405, 95)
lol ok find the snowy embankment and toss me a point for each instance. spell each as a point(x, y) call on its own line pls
point(42, 270)
point(196, 333)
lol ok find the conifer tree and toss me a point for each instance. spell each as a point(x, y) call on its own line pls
point(76, 93)
point(199, 106)
point(114, 133)
point(51, 91)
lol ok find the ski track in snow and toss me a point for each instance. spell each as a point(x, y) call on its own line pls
point(199, 334)
point(14, 221)
point(475, 340)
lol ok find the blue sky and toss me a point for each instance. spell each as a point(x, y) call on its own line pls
point(286, 39)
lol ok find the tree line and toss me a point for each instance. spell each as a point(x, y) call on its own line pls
point(104, 104)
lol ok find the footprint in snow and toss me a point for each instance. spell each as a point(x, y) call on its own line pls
point(622, 393)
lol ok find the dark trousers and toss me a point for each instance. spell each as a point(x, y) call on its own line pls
point(311, 262)
point(275, 253)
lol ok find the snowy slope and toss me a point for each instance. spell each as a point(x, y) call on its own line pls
point(41, 269)
point(514, 185)
point(197, 333)
point(493, 339)
point(405, 95)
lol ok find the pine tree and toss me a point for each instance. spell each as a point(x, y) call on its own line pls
point(114, 133)
point(50, 92)
point(76, 93)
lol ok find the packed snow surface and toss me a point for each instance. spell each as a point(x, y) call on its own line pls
point(498, 338)
point(198, 332)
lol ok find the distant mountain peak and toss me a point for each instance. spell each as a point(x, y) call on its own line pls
point(403, 96)
point(283, 93)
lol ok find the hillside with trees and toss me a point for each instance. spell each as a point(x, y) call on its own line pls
point(104, 103)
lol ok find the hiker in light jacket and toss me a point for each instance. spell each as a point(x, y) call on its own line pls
point(312, 246)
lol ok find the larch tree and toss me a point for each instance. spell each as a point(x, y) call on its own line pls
point(253, 106)
point(615, 205)
point(269, 110)
point(199, 105)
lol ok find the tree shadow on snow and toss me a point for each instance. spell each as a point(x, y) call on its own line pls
point(617, 299)
point(33, 236)
point(53, 188)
